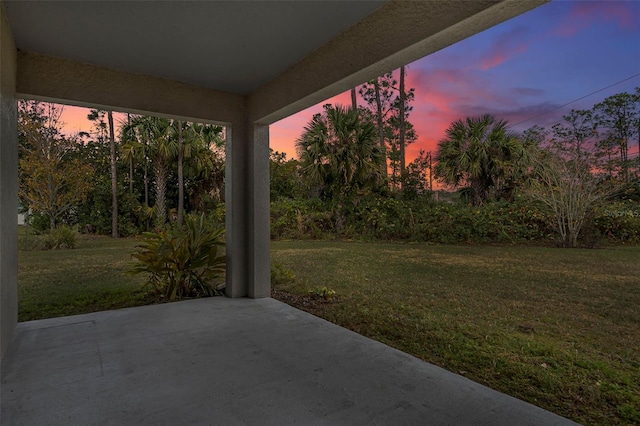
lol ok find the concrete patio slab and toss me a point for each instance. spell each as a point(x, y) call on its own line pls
point(222, 361)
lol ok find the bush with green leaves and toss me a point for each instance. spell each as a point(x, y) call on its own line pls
point(62, 237)
point(183, 262)
point(324, 292)
point(39, 222)
point(376, 218)
point(619, 221)
point(300, 219)
point(498, 222)
point(281, 276)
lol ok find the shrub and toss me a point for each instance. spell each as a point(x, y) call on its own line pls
point(300, 219)
point(60, 238)
point(619, 221)
point(40, 222)
point(396, 219)
point(424, 220)
point(324, 292)
point(183, 261)
point(281, 276)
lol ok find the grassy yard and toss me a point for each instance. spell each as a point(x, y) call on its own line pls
point(90, 278)
point(558, 328)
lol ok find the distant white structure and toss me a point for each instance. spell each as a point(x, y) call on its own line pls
point(22, 217)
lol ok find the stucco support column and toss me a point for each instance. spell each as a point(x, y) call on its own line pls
point(247, 211)
point(8, 186)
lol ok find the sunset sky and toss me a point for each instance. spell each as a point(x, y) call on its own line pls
point(524, 70)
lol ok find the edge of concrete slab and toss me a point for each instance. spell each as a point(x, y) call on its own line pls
point(274, 364)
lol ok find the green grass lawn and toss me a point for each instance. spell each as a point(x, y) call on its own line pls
point(90, 278)
point(559, 328)
point(556, 327)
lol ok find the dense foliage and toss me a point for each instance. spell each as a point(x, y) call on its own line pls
point(162, 169)
point(52, 179)
point(564, 186)
point(393, 219)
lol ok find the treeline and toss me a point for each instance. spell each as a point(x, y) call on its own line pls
point(155, 169)
point(575, 183)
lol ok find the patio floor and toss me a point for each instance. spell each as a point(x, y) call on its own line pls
point(221, 361)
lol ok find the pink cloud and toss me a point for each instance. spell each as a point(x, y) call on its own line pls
point(506, 46)
point(438, 92)
point(442, 96)
point(585, 13)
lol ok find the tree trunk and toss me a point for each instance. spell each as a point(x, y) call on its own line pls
point(146, 183)
point(114, 179)
point(430, 159)
point(49, 208)
point(624, 154)
point(145, 177)
point(180, 176)
point(146, 191)
point(130, 162)
point(354, 101)
point(383, 146)
point(161, 191)
point(131, 174)
point(401, 113)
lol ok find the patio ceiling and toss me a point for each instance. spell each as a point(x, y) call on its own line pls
point(282, 56)
point(230, 46)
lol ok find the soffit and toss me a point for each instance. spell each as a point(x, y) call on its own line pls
point(233, 46)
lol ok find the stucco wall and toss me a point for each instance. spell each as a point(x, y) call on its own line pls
point(8, 186)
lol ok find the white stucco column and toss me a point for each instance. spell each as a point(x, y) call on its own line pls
point(259, 283)
point(247, 211)
point(8, 186)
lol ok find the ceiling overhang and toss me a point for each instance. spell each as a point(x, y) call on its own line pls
point(228, 61)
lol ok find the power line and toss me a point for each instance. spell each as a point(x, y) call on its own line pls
point(576, 100)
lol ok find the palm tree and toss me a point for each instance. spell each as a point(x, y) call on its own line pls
point(339, 151)
point(180, 172)
point(154, 139)
point(205, 166)
point(163, 147)
point(114, 178)
point(129, 147)
point(136, 134)
point(97, 117)
point(481, 153)
point(129, 152)
point(194, 156)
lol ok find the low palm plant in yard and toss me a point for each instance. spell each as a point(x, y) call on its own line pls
point(559, 328)
point(183, 261)
point(63, 237)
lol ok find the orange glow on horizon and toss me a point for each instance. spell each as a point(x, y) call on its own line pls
point(74, 120)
